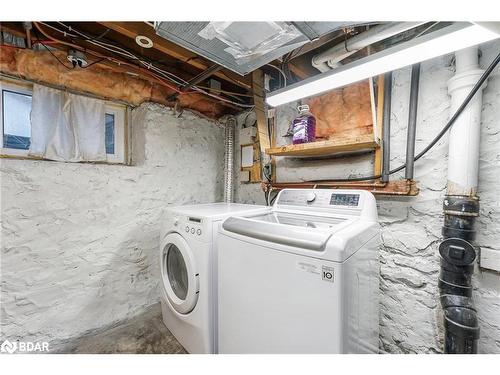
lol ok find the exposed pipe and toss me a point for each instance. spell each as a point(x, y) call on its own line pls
point(386, 129)
point(331, 57)
point(461, 207)
point(412, 121)
point(229, 158)
point(463, 160)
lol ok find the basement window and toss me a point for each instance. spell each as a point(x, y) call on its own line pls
point(15, 106)
point(115, 133)
point(15, 124)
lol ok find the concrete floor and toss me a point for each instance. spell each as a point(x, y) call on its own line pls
point(144, 333)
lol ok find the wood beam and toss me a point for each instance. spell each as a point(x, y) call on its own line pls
point(298, 71)
point(11, 28)
point(377, 165)
point(260, 109)
point(132, 29)
point(399, 187)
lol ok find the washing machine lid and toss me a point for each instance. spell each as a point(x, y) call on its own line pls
point(302, 231)
point(216, 211)
point(179, 273)
point(305, 221)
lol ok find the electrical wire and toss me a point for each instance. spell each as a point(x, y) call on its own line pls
point(92, 63)
point(111, 59)
point(116, 49)
point(57, 58)
point(174, 78)
point(225, 91)
point(425, 30)
point(443, 131)
point(281, 72)
point(271, 202)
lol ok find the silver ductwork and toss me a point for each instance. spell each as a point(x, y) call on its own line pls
point(244, 46)
point(230, 126)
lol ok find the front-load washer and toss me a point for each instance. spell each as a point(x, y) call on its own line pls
point(188, 275)
point(303, 278)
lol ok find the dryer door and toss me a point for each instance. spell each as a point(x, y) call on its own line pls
point(179, 273)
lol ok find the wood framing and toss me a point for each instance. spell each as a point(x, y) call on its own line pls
point(132, 29)
point(324, 148)
point(377, 164)
point(399, 187)
point(260, 109)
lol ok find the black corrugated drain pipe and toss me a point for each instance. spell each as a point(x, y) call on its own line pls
point(457, 266)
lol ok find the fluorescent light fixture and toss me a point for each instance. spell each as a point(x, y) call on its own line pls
point(446, 40)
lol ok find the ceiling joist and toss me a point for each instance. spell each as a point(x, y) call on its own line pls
point(132, 29)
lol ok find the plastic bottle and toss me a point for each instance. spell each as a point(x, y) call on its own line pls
point(304, 126)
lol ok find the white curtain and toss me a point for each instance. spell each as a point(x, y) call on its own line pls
point(67, 127)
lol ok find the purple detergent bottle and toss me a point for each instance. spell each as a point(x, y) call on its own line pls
point(304, 126)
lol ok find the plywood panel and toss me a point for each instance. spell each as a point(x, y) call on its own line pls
point(344, 112)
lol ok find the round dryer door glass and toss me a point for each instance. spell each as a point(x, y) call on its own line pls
point(177, 272)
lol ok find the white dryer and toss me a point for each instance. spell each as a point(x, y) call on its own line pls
point(187, 254)
point(303, 278)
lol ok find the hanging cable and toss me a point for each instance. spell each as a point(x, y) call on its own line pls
point(147, 64)
point(281, 72)
point(57, 58)
point(443, 131)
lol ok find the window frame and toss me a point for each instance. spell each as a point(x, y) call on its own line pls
point(17, 89)
point(119, 111)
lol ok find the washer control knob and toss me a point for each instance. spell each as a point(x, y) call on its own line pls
point(198, 232)
point(310, 197)
point(187, 229)
point(192, 230)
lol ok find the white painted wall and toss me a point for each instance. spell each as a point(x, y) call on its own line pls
point(410, 320)
point(80, 241)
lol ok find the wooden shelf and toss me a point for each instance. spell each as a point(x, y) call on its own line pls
point(324, 148)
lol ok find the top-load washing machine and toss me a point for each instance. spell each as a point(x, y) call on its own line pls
point(187, 254)
point(303, 278)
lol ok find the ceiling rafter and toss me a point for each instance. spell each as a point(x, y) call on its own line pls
point(132, 29)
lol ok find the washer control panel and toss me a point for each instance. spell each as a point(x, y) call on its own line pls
point(321, 198)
